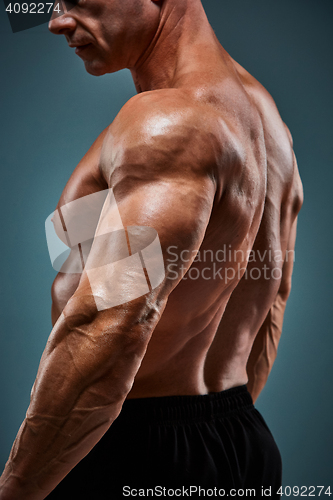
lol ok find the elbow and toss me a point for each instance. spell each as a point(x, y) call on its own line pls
point(285, 290)
point(114, 340)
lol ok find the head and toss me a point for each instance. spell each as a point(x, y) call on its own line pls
point(108, 35)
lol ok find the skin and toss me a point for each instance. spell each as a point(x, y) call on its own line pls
point(202, 156)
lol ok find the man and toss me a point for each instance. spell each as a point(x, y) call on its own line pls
point(202, 156)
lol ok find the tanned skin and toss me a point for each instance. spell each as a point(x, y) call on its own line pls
point(202, 156)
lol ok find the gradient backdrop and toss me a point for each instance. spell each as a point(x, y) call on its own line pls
point(51, 112)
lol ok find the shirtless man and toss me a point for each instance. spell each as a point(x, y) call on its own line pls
point(202, 156)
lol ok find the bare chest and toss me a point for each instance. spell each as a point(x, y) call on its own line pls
point(72, 219)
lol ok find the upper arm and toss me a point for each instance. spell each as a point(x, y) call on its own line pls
point(297, 198)
point(288, 264)
point(161, 195)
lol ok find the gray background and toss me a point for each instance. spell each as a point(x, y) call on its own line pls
point(51, 111)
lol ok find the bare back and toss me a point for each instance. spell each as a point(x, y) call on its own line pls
point(204, 338)
point(202, 156)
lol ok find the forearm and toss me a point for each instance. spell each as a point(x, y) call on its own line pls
point(78, 393)
point(264, 351)
point(265, 346)
point(56, 445)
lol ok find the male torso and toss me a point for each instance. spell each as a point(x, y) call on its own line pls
point(258, 195)
point(202, 156)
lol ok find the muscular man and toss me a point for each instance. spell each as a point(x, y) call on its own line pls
point(153, 391)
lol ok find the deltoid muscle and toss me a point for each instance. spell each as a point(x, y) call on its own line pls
point(88, 234)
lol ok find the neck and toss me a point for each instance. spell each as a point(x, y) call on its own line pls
point(184, 39)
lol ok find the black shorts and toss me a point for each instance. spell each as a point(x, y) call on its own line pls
point(217, 441)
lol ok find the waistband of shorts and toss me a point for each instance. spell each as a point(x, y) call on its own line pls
point(177, 409)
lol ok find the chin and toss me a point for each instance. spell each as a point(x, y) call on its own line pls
point(94, 68)
point(99, 68)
